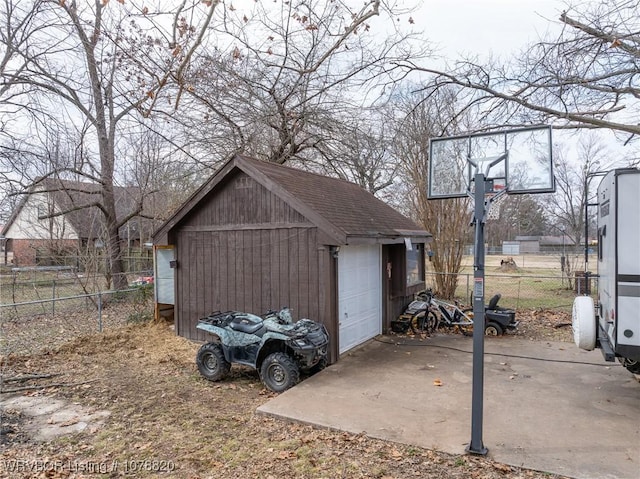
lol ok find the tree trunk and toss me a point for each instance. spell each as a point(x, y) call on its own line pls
point(447, 221)
point(115, 268)
point(105, 126)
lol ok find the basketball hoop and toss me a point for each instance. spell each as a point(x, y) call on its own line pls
point(494, 202)
point(520, 157)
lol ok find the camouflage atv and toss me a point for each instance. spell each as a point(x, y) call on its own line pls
point(274, 345)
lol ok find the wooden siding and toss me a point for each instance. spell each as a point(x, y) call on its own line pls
point(242, 201)
point(245, 249)
point(250, 270)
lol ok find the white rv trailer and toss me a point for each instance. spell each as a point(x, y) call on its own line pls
point(613, 325)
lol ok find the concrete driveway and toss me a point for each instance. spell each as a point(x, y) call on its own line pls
point(547, 405)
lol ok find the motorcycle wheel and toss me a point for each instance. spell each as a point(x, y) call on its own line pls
point(279, 372)
point(211, 362)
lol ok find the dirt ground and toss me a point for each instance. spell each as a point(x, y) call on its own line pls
point(159, 418)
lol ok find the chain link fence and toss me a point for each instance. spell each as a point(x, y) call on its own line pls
point(32, 326)
point(522, 291)
point(33, 284)
point(43, 307)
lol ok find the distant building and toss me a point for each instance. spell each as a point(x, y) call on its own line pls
point(537, 244)
point(60, 217)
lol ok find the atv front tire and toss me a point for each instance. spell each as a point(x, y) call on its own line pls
point(211, 362)
point(279, 372)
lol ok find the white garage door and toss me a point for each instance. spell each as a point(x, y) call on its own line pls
point(359, 294)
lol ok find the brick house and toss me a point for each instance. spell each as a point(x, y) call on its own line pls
point(58, 219)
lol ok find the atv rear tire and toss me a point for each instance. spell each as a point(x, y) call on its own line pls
point(279, 372)
point(211, 362)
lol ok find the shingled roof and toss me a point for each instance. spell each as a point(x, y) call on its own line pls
point(346, 210)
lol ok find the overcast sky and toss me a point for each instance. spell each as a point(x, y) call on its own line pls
point(487, 26)
point(503, 28)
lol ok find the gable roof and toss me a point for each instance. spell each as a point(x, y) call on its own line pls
point(76, 200)
point(342, 209)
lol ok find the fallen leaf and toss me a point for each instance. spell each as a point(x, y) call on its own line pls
point(308, 438)
point(284, 454)
point(502, 467)
point(437, 382)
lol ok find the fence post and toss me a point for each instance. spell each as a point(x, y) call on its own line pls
point(100, 312)
point(53, 298)
point(467, 296)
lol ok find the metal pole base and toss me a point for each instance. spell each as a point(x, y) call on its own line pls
point(482, 451)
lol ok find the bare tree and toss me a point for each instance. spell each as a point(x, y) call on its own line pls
point(448, 220)
point(587, 77)
point(286, 72)
point(360, 149)
point(97, 65)
point(573, 179)
point(16, 32)
point(565, 210)
point(520, 215)
point(164, 174)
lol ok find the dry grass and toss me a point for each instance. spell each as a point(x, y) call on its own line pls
point(162, 410)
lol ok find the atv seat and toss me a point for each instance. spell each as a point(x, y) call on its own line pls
point(245, 326)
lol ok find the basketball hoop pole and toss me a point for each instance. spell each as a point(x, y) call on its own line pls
point(477, 390)
point(476, 446)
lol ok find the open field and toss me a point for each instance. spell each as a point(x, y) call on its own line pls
point(537, 281)
point(527, 263)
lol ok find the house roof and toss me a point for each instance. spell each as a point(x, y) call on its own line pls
point(344, 210)
point(77, 200)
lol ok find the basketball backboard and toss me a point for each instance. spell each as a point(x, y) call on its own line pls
point(519, 160)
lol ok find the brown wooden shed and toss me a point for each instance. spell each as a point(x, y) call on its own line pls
point(259, 235)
